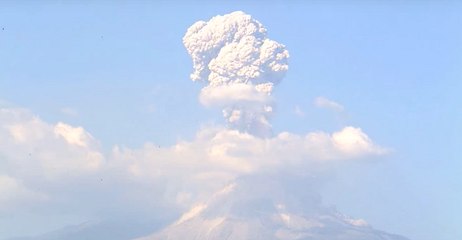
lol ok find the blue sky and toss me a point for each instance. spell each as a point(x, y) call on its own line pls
point(120, 71)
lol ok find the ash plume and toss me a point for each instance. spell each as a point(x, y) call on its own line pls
point(240, 66)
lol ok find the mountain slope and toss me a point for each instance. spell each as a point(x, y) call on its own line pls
point(260, 209)
point(98, 230)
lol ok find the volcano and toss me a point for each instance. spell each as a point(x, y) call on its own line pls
point(258, 208)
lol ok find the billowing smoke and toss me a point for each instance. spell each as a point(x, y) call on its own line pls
point(241, 66)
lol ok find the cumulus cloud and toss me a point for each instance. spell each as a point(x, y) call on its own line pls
point(241, 66)
point(322, 102)
point(27, 142)
point(13, 192)
point(173, 178)
point(355, 143)
point(47, 169)
point(73, 135)
point(217, 156)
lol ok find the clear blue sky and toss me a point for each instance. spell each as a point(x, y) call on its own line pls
point(395, 67)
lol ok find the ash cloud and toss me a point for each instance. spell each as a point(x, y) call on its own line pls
point(240, 66)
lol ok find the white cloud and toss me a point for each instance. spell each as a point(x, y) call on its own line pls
point(13, 193)
point(238, 93)
point(29, 143)
point(217, 156)
point(354, 142)
point(73, 135)
point(33, 129)
point(322, 102)
point(45, 156)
